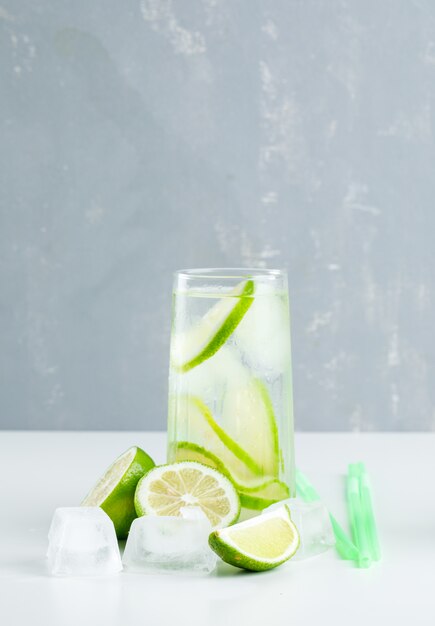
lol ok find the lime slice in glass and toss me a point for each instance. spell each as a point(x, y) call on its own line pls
point(249, 419)
point(204, 339)
point(256, 493)
point(195, 420)
point(259, 498)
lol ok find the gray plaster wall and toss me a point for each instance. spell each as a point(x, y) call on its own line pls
point(140, 137)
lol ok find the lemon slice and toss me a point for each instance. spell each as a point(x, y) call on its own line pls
point(204, 339)
point(166, 489)
point(114, 491)
point(259, 543)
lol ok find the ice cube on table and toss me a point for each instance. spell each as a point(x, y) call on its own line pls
point(313, 524)
point(170, 544)
point(82, 542)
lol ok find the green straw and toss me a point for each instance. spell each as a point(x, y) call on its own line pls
point(344, 546)
point(356, 515)
point(368, 513)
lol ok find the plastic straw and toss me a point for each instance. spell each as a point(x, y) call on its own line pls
point(356, 515)
point(344, 546)
point(368, 514)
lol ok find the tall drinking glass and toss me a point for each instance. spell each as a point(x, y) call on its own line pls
point(230, 381)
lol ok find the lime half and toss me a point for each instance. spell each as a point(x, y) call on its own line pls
point(260, 543)
point(194, 346)
point(114, 492)
point(166, 489)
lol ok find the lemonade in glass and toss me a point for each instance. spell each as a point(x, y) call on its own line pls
point(230, 381)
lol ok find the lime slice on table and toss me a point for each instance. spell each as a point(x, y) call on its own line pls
point(258, 544)
point(166, 489)
point(114, 491)
point(258, 494)
point(199, 343)
point(249, 419)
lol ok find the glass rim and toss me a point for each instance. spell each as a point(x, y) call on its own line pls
point(230, 273)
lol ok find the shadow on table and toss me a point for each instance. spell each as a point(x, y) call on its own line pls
point(24, 567)
point(224, 570)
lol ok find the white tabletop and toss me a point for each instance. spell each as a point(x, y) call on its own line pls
point(44, 470)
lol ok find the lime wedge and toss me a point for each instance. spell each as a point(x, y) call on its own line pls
point(194, 346)
point(196, 423)
point(249, 419)
point(259, 543)
point(166, 489)
point(114, 491)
